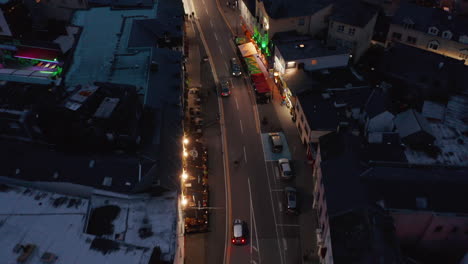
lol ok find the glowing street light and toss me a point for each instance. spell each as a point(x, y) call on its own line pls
point(184, 175)
point(186, 141)
point(184, 201)
point(185, 153)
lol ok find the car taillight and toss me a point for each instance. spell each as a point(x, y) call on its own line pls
point(243, 240)
point(233, 240)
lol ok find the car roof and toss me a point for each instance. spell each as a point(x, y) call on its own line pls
point(237, 228)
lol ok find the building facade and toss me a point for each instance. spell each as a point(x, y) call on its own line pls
point(430, 29)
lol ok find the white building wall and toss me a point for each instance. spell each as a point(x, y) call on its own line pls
point(248, 17)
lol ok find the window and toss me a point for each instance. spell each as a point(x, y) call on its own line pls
point(433, 31)
point(396, 35)
point(463, 39)
point(314, 62)
point(463, 55)
point(447, 34)
point(438, 229)
point(340, 28)
point(411, 40)
point(301, 22)
point(433, 45)
point(351, 31)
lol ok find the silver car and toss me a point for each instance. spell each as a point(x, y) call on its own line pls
point(285, 169)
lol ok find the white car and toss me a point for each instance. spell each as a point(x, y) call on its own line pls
point(285, 169)
point(239, 236)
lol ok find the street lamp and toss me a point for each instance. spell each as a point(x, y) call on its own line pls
point(185, 141)
point(184, 201)
point(184, 175)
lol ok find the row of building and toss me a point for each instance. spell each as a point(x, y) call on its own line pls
point(91, 105)
point(378, 92)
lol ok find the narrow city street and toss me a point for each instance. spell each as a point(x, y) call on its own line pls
point(252, 190)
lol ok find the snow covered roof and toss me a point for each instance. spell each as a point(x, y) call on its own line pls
point(104, 37)
point(457, 112)
point(54, 223)
point(433, 110)
point(451, 146)
point(410, 122)
point(382, 122)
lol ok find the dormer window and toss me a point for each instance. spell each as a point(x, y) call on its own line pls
point(447, 34)
point(463, 39)
point(408, 23)
point(433, 31)
point(433, 45)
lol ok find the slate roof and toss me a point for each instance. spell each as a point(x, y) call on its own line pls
point(278, 9)
point(341, 168)
point(145, 31)
point(426, 17)
point(410, 122)
point(433, 74)
point(444, 189)
point(355, 13)
point(326, 114)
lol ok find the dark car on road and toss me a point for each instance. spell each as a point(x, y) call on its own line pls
point(225, 87)
point(291, 200)
point(235, 67)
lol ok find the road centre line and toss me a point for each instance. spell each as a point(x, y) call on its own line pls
point(237, 104)
point(254, 248)
point(285, 244)
point(280, 206)
point(216, 36)
point(211, 23)
point(220, 49)
point(245, 155)
point(241, 127)
point(227, 68)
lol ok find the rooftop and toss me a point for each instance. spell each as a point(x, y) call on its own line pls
point(425, 17)
point(341, 166)
point(101, 54)
point(299, 80)
point(433, 74)
point(426, 188)
point(324, 110)
point(292, 49)
point(54, 223)
point(363, 236)
point(355, 13)
point(278, 9)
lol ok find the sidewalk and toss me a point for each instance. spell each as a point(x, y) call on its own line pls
point(279, 118)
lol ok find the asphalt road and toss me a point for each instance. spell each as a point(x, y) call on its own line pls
point(255, 193)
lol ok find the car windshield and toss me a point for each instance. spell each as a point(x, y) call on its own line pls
point(225, 86)
point(285, 167)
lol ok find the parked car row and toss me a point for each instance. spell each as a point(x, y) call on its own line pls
point(286, 174)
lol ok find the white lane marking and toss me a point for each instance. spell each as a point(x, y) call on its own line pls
point(245, 155)
point(216, 36)
point(277, 174)
point(288, 225)
point(220, 49)
point(237, 104)
point(254, 222)
point(253, 261)
point(285, 244)
point(204, 2)
point(227, 67)
point(242, 128)
point(211, 23)
point(280, 206)
point(254, 248)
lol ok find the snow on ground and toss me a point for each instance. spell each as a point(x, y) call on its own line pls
point(105, 33)
point(57, 226)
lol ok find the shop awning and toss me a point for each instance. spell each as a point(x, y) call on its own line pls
point(247, 49)
point(48, 55)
